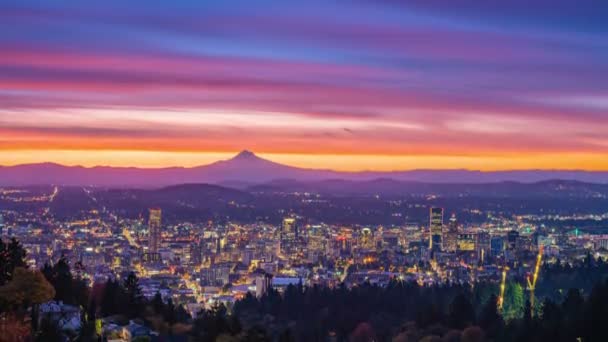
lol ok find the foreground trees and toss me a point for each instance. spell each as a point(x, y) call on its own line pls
point(12, 255)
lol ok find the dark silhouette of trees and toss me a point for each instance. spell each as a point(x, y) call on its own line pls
point(68, 289)
point(111, 302)
point(489, 318)
point(133, 296)
point(49, 331)
point(461, 313)
point(210, 324)
point(12, 255)
point(26, 289)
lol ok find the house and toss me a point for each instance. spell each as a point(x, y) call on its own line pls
point(67, 317)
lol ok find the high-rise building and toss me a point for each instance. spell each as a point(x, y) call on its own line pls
point(512, 240)
point(484, 244)
point(289, 235)
point(263, 282)
point(289, 226)
point(467, 242)
point(450, 243)
point(154, 229)
point(436, 229)
point(366, 238)
point(497, 245)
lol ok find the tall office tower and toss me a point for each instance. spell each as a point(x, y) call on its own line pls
point(512, 240)
point(289, 226)
point(1, 224)
point(483, 246)
point(289, 234)
point(451, 238)
point(436, 227)
point(154, 227)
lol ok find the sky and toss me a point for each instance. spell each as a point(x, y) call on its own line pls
point(348, 85)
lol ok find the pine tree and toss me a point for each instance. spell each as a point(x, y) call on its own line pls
point(514, 301)
point(489, 317)
point(461, 312)
point(134, 297)
point(12, 255)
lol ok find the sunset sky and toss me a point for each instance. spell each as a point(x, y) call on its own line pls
point(348, 85)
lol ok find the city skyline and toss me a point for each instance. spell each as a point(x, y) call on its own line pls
point(368, 86)
point(322, 170)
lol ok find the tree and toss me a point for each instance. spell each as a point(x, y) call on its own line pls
point(70, 290)
point(528, 313)
point(49, 331)
point(552, 324)
point(157, 303)
point(61, 278)
point(25, 289)
point(514, 301)
point(113, 299)
point(489, 317)
point(362, 333)
point(12, 255)
point(209, 324)
point(286, 336)
point(472, 334)
point(256, 334)
point(461, 312)
point(134, 297)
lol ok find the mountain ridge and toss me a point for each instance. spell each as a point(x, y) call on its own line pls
point(247, 167)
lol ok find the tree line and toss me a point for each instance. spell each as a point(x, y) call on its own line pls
point(399, 311)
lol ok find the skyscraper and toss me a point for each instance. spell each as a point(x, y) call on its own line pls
point(436, 228)
point(154, 228)
point(512, 240)
point(451, 238)
point(289, 226)
point(289, 235)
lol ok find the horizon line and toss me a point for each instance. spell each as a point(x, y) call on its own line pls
point(254, 154)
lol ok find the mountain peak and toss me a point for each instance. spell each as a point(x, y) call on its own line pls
point(245, 154)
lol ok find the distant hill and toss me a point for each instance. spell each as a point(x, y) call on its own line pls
point(391, 187)
point(185, 200)
point(247, 169)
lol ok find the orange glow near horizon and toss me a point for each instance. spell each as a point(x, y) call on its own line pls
point(339, 162)
point(386, 87)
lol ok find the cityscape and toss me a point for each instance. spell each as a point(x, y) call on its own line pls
point(199, 255)
point(283, 171)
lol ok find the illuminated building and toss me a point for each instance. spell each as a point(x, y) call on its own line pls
point(288, 235)
point(263, 282)
point(512, 240)
point(367, 238)
point(483, 245)
point(497, 245)
point(450, 243)
point(154, 229)
point(467, 242)
point(290, 226)
point(217, 275)
point(436, 228)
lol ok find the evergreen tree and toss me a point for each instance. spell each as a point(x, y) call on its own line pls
point(513, 301)
point(69, 290)
point(49, 331)
point(134, 298)
point(461, 313)
point(12, 255)
point(489, 317)
point(62, 281)
point(112, 301)
point(157, 303)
